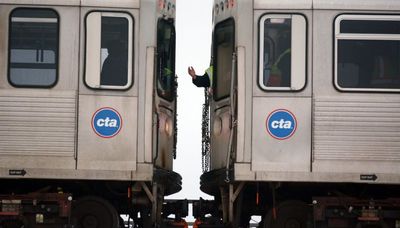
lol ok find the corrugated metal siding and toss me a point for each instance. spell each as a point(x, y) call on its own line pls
point(356, 129)
point(38, 125)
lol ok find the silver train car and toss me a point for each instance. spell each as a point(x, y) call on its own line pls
point(87, 112)
point(304, 113)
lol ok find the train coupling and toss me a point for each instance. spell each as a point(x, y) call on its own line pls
point(179, 208)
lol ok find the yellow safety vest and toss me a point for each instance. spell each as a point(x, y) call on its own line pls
point(275, 76)
point(274, 68)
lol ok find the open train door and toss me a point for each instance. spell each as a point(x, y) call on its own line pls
point(165, 96)
point(221, 105)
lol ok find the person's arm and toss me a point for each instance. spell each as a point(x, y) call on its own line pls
point(199, 81)
point(202, 81)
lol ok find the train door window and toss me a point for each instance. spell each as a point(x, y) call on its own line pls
point(367, 53)
point(109, 43)
point(223, 48)
point(33, 47)
point(282, 55)
point(166, 59)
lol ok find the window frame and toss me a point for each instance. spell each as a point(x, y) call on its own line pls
point(337, 35)
point(303, 82)
point(214, 57)
point(173, 89)
point(131, 51)
point(57, 55)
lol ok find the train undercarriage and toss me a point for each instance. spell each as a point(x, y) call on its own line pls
point(91, 204)
point(297, 205)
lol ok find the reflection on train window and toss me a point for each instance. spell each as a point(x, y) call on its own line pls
point(166, 59)
point(370, 26)
point(114, 51)
point(224, 41)
point(277, 52)
point(109, 50)
point(282, 52)
point(368, 52)
point(33, 48)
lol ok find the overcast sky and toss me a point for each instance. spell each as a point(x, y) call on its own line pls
point(193, 45)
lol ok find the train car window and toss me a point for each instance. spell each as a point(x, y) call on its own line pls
point(223, 48)
point(109, 43)
point(166, 59)
point(282, 54)
point(33, 47)
point(367, 53)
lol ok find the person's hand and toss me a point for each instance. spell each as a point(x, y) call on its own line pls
point(191, 72)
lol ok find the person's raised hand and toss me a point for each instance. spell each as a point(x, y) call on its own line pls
point(191, 72)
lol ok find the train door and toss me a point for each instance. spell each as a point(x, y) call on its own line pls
point(108, 100)
point(222, 107)
point(38, 86)
point(281, 135)
point(165, 102)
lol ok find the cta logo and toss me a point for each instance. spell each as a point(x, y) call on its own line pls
point(106, 122)
point(281, 124)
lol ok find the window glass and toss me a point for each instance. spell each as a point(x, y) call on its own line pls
point(277, 52)
point(224, 41)
point(114, 51)
point(370, 26)
point(371, 60)
point(282, 55)
point(166, 59)
point(33, 47)
point(369, 64)
point(109, 43)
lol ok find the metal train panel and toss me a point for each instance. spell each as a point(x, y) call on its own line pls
point(100, 148)
point(279, 146)
point(165, 149)
point(43, 2)
point(348, 129)
point(225, 38)
point(93, 3)
point(286, 4)
point(220, 137)
point(39, 126)
point(278, 151)
point(112, 3)
point(356, 134)
point(108, 109)
point(54, 125)
point(353, 131)
point(312, 110)
point(88, 108)
point(387, 5)
point(343, 128)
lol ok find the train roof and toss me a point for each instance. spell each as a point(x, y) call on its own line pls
point(93, 3)
point(375, 5)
